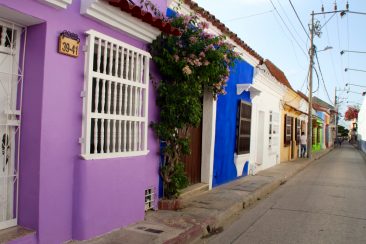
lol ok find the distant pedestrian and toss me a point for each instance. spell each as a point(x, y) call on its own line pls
point(303, 142)
point(338, 141)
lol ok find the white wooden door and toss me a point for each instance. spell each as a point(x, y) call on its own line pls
point(10, 100)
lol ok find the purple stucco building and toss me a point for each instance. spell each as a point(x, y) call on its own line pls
point(81, 175)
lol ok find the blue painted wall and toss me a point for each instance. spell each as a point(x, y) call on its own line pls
point(320, 114)
point(224, 168)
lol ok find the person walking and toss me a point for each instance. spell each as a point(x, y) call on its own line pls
point(303, 142)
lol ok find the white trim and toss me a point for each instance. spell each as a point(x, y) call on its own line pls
point(134, 80)
point(254, 91)
point(240, 161)
point(240, 88)
point(61, 4)
point(208, 138)
point(8, 223)
point(114, 155)
point(101, 11)
point(265, 81)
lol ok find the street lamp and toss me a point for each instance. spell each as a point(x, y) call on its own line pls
point(360, 70)
point(325, 49)
point(350, 84)
point(349, 51)
point(360, 93)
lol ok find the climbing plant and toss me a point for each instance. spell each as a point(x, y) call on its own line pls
point(189, 64)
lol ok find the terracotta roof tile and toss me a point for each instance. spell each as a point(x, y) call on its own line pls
point(319, 107)
point(147, 17)
point(303, 95)
point(277, 73)
point(218, 24)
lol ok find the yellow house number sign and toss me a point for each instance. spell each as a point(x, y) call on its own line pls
point(68, 44)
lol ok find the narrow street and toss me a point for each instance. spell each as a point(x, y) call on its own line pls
point(325, 203)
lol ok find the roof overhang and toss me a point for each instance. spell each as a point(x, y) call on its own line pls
point(240, 88)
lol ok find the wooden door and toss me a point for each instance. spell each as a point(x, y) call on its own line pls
point(192, 162)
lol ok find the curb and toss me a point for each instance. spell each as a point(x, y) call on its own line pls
point(213, 226)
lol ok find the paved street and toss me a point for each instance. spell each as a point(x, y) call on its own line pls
point(325, 203)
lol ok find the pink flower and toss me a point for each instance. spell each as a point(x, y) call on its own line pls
point(202, 55)
point(186, 70)
point(197, 63)
point(208, 35)
point(186, 19)
point(193, 39)
point(203, 25)
point(206, 63)
point(176, 58)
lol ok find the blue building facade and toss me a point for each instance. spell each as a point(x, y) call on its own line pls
point(224, 169)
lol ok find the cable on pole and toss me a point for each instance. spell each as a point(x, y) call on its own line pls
point(321, 74)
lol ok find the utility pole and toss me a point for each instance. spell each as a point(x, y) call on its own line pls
point(310, 111)
point(315, 29)
point(336, 112)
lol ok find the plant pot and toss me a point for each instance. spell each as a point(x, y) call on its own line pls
point(170, 204)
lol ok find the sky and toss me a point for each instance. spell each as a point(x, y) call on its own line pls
point(274, 31)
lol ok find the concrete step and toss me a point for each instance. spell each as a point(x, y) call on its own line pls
point(193, 191)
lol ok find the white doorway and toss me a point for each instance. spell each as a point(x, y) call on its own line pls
point(11, 80)
point(260, 138)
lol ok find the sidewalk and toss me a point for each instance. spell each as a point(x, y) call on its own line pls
point(205, 214)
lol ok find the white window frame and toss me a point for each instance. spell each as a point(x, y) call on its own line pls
point(274, 130)
point(117, 109)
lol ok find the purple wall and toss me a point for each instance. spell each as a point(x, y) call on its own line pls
point(62, 196)
point(31, 127)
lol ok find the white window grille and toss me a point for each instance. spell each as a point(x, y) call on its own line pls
point(11, 86)
point(149, 199)
point(274, 130)
point(115, 98)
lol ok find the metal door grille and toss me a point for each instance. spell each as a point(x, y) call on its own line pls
point(115, 98)
point(149, 199)
point(11, 82)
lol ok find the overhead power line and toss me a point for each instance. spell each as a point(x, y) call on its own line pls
point(317, 77)
point(288, 29)
point(289, 21)
point(249, 16)
point(303, 27)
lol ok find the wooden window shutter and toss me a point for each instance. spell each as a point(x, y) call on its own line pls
point(285, 130)
point(288, 130)
point(298, 131)
point(244, 116)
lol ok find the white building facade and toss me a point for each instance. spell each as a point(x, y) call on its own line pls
point(361, 130)
point(266, 95)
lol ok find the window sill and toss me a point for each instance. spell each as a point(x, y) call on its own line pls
point(113, 155)
point(61, 4)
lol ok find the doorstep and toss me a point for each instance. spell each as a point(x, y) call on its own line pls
point(17, 234)
point(192, 191)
